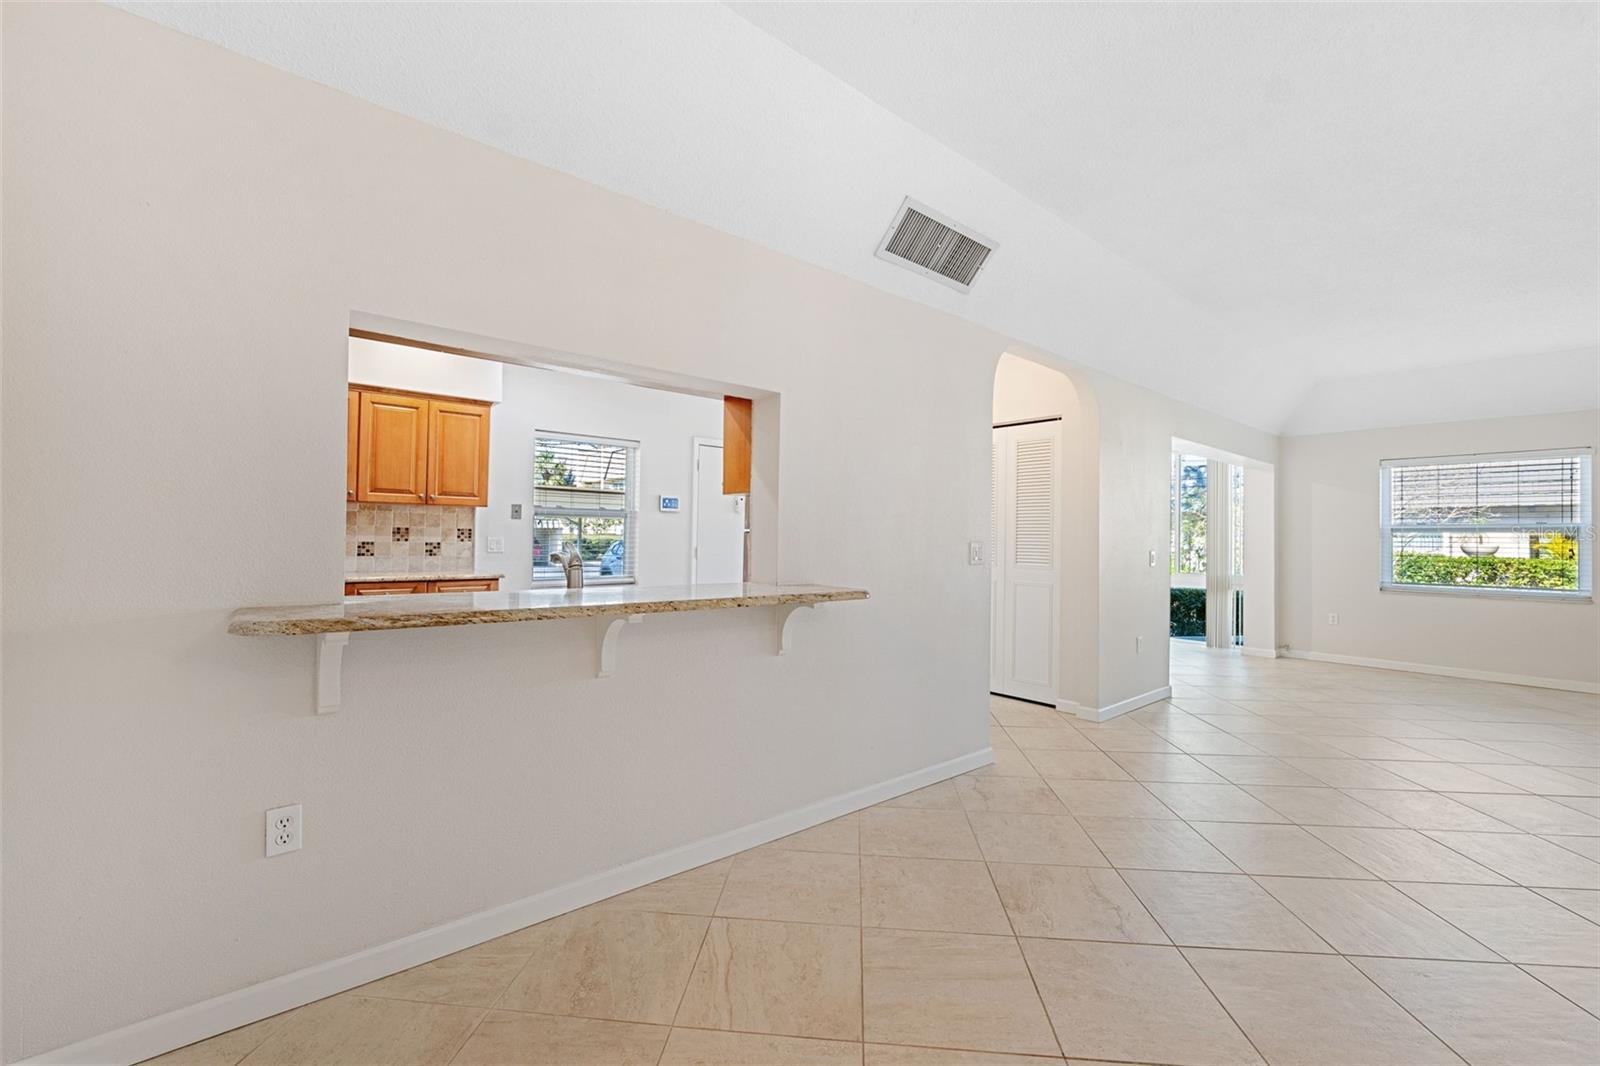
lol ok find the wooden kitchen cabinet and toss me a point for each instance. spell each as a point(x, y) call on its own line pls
point(392, 449)
point(405, 448)
point(384, 588)
point(737, 421)
point(458, 453)
point(352, 442)
point(411, 588)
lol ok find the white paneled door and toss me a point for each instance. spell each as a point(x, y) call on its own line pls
point(717, 552)
point(1025, 561)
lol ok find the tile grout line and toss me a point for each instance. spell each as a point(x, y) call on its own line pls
point(1134, 892)
point(1290, 911)
point(705, 935)
point(1507, 877)
point(1419, 903)
point(1524, 968)
point(1337, 954)
point(1558, 903)
point(1502, 961)
point(472, 1030)
point(1017, 940)
point(1182, 954)
point(1442, 1041)
point(1381, 879)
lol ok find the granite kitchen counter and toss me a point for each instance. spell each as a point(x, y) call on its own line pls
point(432, 575)
point(428, 610)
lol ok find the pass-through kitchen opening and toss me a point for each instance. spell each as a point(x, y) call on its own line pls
point(468, 473)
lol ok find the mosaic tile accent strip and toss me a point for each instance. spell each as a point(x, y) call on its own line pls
point(365, 548)
point(402, 533)
point(431, 548)
point(464, 535)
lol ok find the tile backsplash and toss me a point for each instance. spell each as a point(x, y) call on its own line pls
point(393, 538)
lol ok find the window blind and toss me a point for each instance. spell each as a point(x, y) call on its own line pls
point(1499, 493)
point(585, 498)
point(1508, 521)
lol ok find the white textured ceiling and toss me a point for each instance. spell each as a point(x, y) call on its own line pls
point(1362, 186)
point(1229, 203)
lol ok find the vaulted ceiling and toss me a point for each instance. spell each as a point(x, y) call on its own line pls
point(1246, 206)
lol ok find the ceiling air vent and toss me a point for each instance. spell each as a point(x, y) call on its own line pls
point(927, 242)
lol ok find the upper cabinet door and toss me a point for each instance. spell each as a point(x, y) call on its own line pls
point(393, 449)
point(351, 446)
point(737, 439)
point(458, 445)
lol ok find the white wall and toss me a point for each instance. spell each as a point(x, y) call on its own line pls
point(2, 555)
point(1261, 561)
point(1328, 560)
point(180, 273)
point(1136, 431)
point(665, 425)
point(401, 366)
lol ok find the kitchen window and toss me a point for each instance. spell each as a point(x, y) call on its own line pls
point(1505, 524)
point(585, 498)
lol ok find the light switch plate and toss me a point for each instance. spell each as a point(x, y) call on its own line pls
point(975, 553)
point(495, 545)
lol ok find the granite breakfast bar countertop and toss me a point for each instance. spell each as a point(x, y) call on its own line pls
point(427, 610)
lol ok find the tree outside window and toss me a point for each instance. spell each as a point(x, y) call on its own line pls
point(1188, 514)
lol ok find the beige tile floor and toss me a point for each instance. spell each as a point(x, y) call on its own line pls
point(1287, 862)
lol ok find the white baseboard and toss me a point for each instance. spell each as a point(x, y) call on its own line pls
point(166, 1032)
point(1260, 653)
point(1112, 710)
point(1446, 671)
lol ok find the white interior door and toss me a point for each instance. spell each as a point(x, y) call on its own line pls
point(1026, 559)
point(718, 552)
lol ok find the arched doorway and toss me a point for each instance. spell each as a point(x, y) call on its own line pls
point(1043, 538)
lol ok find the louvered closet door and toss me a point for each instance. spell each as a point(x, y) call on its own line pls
point(1028, 561)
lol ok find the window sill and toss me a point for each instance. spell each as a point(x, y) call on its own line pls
point(588, 582)
point(1491, 593)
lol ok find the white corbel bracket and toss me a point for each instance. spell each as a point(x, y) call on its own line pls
point(786, 612)
point(330, 670)
point(331, 646)
point(610, 629)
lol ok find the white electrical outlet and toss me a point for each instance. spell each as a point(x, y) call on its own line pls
point(975, 553)
point(1152, 557)
point(1138, 645)
point(283, 830)
point(1333, 619)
